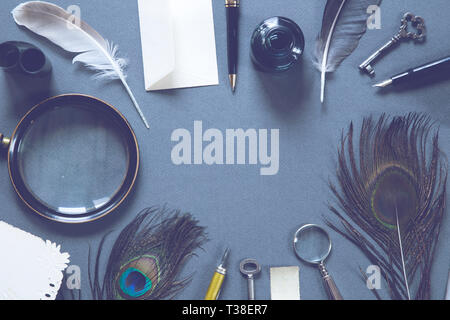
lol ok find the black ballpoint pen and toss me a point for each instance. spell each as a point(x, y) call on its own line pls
point(232, 8)
point(432, 69)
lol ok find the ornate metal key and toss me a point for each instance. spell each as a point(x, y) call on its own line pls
point(417, 22)
point(249, 269)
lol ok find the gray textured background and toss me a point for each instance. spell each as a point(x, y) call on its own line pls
point(254, 215)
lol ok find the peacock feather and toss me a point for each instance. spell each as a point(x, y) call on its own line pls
point(147, 257)
point(391, 198)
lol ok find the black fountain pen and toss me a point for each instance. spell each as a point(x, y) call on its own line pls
point(232, 8)
point(435, 69)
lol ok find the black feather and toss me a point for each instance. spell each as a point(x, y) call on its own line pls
point(147, 257)
point(401, 173)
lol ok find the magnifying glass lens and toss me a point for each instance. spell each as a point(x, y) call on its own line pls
point(312, 244)
point(73, 159)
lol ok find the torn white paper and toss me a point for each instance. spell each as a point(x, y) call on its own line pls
point(178, 44)
point(30, 268)
point(285, 283)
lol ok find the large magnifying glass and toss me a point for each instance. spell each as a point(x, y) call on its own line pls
point(72, 158)
point(312, 244)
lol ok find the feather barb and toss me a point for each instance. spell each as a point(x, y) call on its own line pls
point(55, 24)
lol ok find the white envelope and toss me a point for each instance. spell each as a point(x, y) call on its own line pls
point(178, 43)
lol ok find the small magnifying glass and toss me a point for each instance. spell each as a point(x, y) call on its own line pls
point(312, 244)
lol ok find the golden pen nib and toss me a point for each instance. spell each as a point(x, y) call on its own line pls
point(233, 78)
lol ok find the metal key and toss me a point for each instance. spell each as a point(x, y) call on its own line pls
point(249, 269)
point(403, 34)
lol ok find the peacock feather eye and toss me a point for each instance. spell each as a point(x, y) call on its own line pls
point(138, 277)
point(394, 193)
point(134, 283)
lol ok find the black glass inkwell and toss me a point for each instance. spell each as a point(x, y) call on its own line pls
point(24, 58)
point(277, 45)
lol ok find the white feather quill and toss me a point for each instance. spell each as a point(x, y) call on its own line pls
point(344, 23)
point(56, 24)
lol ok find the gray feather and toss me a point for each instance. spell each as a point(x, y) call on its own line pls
point(344, 23)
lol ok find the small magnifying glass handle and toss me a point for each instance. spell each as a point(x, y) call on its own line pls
point(330, 286)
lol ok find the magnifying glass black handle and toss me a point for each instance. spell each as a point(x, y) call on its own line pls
point(330, 286)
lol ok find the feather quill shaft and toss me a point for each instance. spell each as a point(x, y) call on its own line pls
point(326, 51)
point(344, 22)
point(401, 253)
point(95, 52)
